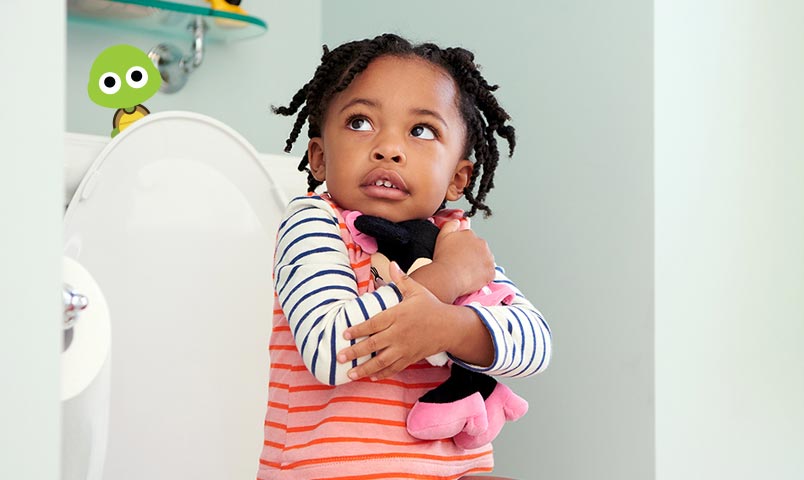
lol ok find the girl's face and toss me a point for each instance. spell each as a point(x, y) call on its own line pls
point(392, 143)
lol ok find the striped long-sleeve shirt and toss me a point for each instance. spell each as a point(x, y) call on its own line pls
point(320, 422)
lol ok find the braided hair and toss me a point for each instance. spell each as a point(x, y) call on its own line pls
point(484, 117)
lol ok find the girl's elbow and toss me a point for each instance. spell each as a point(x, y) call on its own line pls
point(537, 364)
point(322, 378)
point(328, 377)
point(543, 363)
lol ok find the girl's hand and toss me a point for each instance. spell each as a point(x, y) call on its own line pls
point(402, 335)
point(462, 264)
point(465, 258)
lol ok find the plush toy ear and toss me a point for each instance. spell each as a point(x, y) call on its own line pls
point(463, 172)
point(315, 155)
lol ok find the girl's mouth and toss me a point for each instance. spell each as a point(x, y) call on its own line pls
point(384, 184)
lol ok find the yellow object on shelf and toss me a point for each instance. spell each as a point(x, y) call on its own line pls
point(227, 6)
point(169, 18)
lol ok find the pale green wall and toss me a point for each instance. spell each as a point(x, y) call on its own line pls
point(237, 82)
point(730, 240)
point(573, 221)
point(32, 140)
point(578, 78)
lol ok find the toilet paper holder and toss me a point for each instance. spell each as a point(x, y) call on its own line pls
point(74, 303)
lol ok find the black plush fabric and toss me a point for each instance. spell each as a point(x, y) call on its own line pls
point(404, 243)
point(460, 384)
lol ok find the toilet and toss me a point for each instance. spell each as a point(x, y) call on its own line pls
point(175, 219)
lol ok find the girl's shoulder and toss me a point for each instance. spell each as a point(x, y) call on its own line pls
point(314, 200)
point(304, 208)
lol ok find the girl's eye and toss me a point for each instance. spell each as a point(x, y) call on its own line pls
point(360, 124)
point(423, 132)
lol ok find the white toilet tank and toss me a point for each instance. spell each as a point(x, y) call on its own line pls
point(176, 219)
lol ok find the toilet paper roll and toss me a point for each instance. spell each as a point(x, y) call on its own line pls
point(90, 341)
point(84, 430)
point(85, 365)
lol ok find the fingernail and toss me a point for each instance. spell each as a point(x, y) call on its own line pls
point(352, 374)
point(373, 379)
point(341, 357)
point(347, 335)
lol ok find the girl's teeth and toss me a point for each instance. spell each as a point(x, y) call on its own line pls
point(384, 183)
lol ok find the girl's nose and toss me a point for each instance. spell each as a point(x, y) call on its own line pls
point(387, 150)
point(400, 157)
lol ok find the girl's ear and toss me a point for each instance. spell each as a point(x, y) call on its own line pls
point(463, 172)
point(315, 155)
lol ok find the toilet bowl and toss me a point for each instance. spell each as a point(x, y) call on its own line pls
point(176, 220)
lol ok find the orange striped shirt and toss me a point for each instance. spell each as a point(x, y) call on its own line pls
point(354, 430)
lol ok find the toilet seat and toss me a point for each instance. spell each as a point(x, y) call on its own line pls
point(176, 220)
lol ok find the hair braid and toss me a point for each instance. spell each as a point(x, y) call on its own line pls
point(487, 118)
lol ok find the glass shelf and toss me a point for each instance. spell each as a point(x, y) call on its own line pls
point(166, 18)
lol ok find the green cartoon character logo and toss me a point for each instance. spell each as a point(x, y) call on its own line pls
point(123, 77)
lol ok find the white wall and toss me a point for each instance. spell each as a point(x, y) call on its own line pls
point(577, 78)
point(729, 238)
point(31, 136)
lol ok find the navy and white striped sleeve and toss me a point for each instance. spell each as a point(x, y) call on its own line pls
point(317, 288)
point(521, 337)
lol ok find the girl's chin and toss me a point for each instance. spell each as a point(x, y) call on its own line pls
point(394, 216)
point(388, 212)
point(393, 210)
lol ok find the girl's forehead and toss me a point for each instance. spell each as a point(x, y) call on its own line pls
point(393, 80)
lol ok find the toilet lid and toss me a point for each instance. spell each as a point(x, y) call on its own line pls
point(176, 220)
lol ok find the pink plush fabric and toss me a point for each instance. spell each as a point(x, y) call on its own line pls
point(491, 294)
point(433, 421)
point(501, 406)
point(365, 242)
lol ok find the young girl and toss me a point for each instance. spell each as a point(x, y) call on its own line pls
point(391, 127)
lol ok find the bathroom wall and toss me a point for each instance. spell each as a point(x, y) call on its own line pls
point(237, 82)
point(31, 132)
point(573, 211)
point(578, 78)
point(729, 237)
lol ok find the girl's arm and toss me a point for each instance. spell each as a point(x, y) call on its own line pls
point(317, 288)
point(514, 340)
point(520, 336)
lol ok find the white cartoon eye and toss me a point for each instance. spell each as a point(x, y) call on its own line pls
point(136, 77)
point(109, 83)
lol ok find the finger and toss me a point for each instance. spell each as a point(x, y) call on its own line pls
point(372, 344)
point(380, 362)
point(395, 368)
point(375, 324)
point(449, 227)
point(406, 285)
